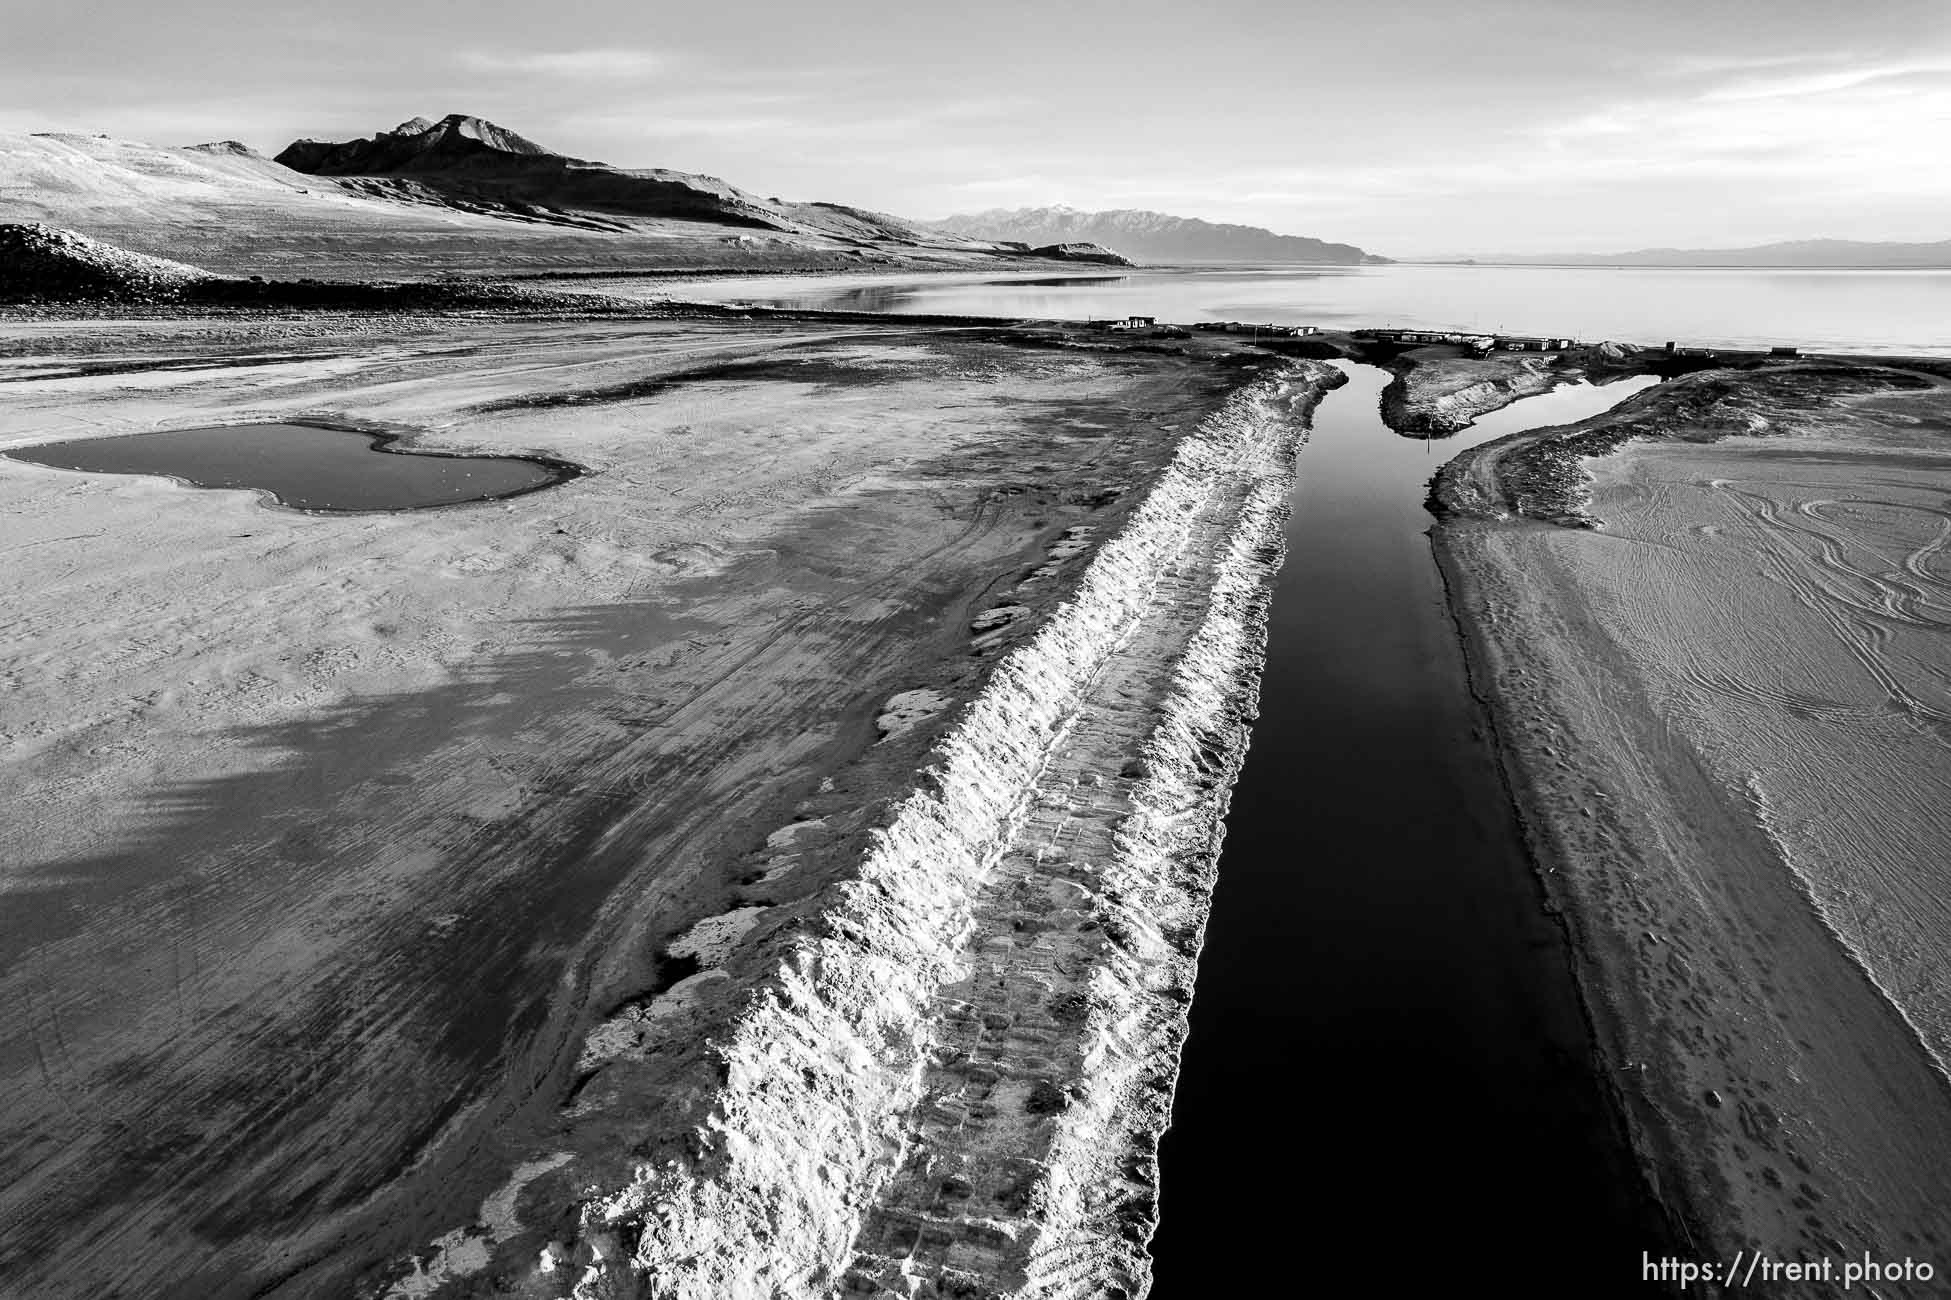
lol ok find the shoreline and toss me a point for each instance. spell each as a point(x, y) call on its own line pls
point(1651, 1143)
point(1778, 1094)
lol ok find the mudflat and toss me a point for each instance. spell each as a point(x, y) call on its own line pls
point(1724, 710)
point(331, 837)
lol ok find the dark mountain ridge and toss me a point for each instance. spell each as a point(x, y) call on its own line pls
point(456, 142)
point(466, 158)
point(469, 162)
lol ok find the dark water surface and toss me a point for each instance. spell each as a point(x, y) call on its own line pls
point(1388, 1089)
point(306, 466)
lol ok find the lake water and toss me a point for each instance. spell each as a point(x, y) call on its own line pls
point(1825, 310)
point(1389, 1082)
point(305, 466)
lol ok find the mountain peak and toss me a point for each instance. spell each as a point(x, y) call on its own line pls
point(236, 147)
point(458, 141)
point(466, 126)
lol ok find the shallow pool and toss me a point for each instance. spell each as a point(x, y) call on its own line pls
point(307, 466)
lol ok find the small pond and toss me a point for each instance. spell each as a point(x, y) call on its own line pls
point(308, 466)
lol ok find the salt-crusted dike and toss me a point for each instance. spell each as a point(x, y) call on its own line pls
point(954, 1080)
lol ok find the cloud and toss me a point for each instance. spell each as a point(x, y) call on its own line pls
point(1879, 124)
point(1823, 83)
point(1854, 157)
point(1708, 65)
point(567, 63)
point(796, 116)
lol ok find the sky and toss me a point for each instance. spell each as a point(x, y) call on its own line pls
point(1411, 128)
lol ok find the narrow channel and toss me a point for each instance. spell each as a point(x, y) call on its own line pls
point(1389, 1086)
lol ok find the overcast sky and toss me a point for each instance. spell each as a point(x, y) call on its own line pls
point(1409, 127)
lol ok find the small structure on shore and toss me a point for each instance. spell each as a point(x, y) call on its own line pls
point(1408, 336)
point(1480, 344)
point(1673, 349)
point(1239, 327)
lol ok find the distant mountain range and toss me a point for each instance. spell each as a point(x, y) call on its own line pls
point(1152, 236)
point(1799, 252)
point(457, 194)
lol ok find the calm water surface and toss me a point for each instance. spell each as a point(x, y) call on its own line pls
point(1388, 1086)
point(305, 466)
point(1826, 310)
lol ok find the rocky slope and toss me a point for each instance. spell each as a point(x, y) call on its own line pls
point(43, 262)
point(46, 268)
point(1153, 236)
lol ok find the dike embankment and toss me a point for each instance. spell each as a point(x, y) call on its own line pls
point(957, 1074)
